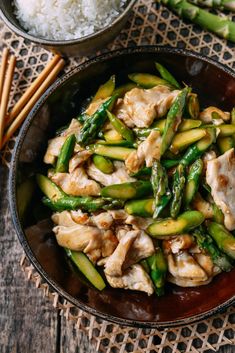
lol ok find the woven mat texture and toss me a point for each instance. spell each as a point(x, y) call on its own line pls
point(149, 24)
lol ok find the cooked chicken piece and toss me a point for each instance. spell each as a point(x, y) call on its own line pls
point(219, 117)
point(183, 265)
point(119, 176)
point(202, 206)
point(79, 217)
point(114, 264)
point(78, 159)
point(76, 183)
point(138, 222)
point(53, 149)
point(147, 152)
point(205, 262)
point(103, 221)
point(187, 282)
point(220, 175)
point(141, 106)
point(175, 245)
point(94, 106)
point(91, 240)
point(63, 219)
point(118, 214)
point(207, 156)
point(134, 278)
point(141, 248)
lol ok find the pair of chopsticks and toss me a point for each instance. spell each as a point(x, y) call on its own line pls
point(10, 122)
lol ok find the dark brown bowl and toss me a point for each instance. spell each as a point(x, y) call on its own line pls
point(215, 85)
point(75, 47)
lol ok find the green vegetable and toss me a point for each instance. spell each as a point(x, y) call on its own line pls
point(147, 80)
point(170, 227)
point(95, 122)
point(131, 190)
point(158, 270)
point(105, 90)
point(205, 242)
point(173, 119)
point(142, 208)
point(121, 128)
point(144, 132)
point(166, 75)
point(122, 90)
point(103, 164)
point(218, 215)
point(195, 151)
point(114, 152)
point(188, 124)
point(192, 183)
point(169, 163)
point(225, 143)
point(186, 138)
point(112, 136)
point(177, 190)
point(66, 152)
point(82, 118)
point(221, 26)
point(24, 196)
point(160, 188)
point(223, 238)
point(216, 4)
point(226, 130)
point(87, 268)
point(193, 107)
point(145, 171)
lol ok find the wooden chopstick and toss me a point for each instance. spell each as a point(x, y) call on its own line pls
point(5, 55)
point(5, 94)
point(31, 90)
point(25, 111)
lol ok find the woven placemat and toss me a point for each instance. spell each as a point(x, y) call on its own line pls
point(149, 24)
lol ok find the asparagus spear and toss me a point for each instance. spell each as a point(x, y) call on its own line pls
point(103, 164)
point(169, 227)
point(169, 163)
point(192, 183)
point(122, 90)
point(183, 139)
point(166, 75)
point(142, 208)
point(145, 171)
point(195, 151)
point(112, 136)
point(225, 143)
point(221, 26)
point(193, 107)
point(105, 90)
point(217, 4)
point(147, 80)
point(66, 152)
point(125, 191)
point(226, 130)
point(161, 191)
point(158, 270)
point(121, 128)
point(223, 238)
point(173, 119)
point(114, 152)
point(94, 123)
point(206, 243)
point(177, 190)
point(87, 268)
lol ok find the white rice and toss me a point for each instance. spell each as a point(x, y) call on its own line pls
point(66, 19)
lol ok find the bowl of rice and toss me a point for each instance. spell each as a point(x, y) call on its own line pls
point(67, 27)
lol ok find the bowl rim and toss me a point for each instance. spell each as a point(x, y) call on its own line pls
point(51, 42)
point(12, 190)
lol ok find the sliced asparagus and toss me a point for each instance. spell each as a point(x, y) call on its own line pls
point(114, 152)
point(66, 152)
point(125, 191)
point(193, 107)
point(145, 171)
point(192, 183)
point(169, 227)
point(169, 163)
point(225, 143)
point(186, 138)
point(173, 119)
point(122, 90)
point(166, 75)
point(147, 80)
point(105, 90)
point(226, 130)
point(160, 188)
point(87, 268)
point(223, 238)
point(94, 123)
point(112, 136)
point(216, 4)
point(103, 164)
point(142, 208)
point(158, 270)
point(177, 190)
point(221, 26)
point(121, 128)
point(205, 242)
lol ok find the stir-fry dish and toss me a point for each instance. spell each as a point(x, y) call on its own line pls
point(142, 186)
